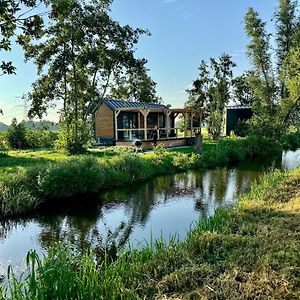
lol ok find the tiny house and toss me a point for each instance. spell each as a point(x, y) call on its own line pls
point(119, 122)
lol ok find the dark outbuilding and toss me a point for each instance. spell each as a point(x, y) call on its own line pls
point(234, 114)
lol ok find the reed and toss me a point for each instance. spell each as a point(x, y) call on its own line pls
point(236, 254)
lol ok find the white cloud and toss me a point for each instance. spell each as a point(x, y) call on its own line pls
point(187, 14)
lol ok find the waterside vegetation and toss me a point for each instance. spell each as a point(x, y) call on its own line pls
point(236, 254)
point(27, 180)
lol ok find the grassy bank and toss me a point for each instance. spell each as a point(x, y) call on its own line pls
point(28, 179)
point(250, 252)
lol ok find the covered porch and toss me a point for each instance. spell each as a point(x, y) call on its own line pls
point(138, 123)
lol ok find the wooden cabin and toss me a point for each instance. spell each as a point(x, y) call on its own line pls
point(119, 122)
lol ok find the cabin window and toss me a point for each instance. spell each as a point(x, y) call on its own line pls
point(161, 120)
point(130, 120)
point(127, 120)
point(156, 119)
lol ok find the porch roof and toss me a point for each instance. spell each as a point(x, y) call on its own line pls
point(145, 107)
point(127, 105)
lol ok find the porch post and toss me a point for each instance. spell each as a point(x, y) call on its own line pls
point(192, 115)
point(176, 129)
point(145, 113)
point(185, 123)
point(167, 115)
point(116, 124)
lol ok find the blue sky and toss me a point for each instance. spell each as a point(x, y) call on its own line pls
point(183, 32)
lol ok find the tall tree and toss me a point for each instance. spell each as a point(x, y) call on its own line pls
point(211, 91)
point(289, 109)
point(262, 81)
point(273, 104)
point(84, 51)
point(286, 31)
point(242, 91)
point(135, 85)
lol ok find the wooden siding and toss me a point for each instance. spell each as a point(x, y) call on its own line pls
point(104, 121)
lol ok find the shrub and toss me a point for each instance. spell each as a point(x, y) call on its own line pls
point(262, 148)
point(71, 142)
point(19, 137)
point(16, 135)
point(242, 128)
point(182, 161)
point(17, 194)
point(3, 141)
point(264, 127)
point(75, 176)
point(40, 138)
point(291, 141)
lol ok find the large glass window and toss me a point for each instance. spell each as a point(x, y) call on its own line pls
point(127, 120)
point(156, 119)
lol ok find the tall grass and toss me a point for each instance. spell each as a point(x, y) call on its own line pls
point(236, 254)
point(27, 186)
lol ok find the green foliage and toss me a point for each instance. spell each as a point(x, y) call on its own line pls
point(18, 19)
point(136, 85)
point(73, 138)
point(231, 255)
point(3, 141)
point(64, 275)
point(287, 37)
point(263, 149)
point(40, 138)
point(211, 91)
point(16, 136)
point(276, 98)
point(263, 126)
point(19, 137)
point(18, 192)
point(242, 90)
point(289, 110)
point(264, 189)
point(290, 141)
point(23, 189)
point(85, 53)
point(80, 175)
point(185, 161)
point(242, 128)
point(233, 151)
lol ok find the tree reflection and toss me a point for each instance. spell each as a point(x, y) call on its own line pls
point(108, 220)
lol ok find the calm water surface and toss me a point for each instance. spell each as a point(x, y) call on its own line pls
point(161, 207)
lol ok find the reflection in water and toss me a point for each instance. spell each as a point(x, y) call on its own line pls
point(160, 207)
point(291, 159)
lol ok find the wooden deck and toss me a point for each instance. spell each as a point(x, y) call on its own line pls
point(147, 144)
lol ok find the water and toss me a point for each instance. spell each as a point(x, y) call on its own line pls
point(291, 159)
point(161, 207)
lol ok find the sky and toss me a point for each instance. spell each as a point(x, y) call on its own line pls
point(183, 32)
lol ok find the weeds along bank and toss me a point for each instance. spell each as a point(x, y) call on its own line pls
point(24, 188)
point(248, 252)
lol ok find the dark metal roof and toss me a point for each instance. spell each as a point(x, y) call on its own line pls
point(118, 104)
point(238, 107)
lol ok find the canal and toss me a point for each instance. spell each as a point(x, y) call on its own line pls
point(166, 206)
